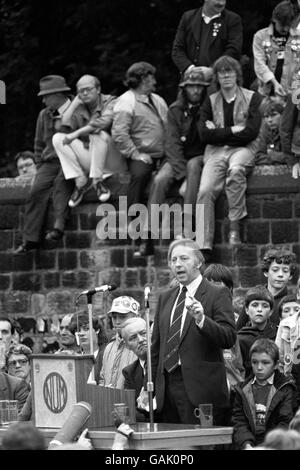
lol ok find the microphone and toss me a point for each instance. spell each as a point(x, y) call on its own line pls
point(73, 425)
point(103, 288)
point(147, 291)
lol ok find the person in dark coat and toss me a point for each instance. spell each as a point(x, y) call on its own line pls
point(258, 305)
point(264, 401)
point(205, 34)
point(13, 388)
point(190, 370)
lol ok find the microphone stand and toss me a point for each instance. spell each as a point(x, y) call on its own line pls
point(89, 297)
point(150, 387)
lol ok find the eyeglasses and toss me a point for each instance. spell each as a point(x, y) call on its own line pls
point(224, 72)
point(87, 89)
point(21, 362)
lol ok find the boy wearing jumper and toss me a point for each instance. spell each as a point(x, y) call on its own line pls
point(258, 305)
point(263, 402)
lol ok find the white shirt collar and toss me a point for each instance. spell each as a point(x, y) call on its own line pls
point(193, 286)
point(208, 19)
point(270, 380)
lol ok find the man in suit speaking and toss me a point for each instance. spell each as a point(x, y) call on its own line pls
point(193, 323)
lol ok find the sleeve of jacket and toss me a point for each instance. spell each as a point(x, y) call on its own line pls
point(262, 71)
point(287, 125)
point(179, 53)
point(104, 121)
point(174, 146)
point(39, 143)
point(235, 37)
point(216, 136)
point(21, 393)
point(127, 383)
point(121, 129)
point(26, 411)
point(287, 407)
point(261, 156)
point(242, 432)
point(220, 328)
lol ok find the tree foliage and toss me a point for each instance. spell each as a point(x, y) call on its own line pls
point(101, 37)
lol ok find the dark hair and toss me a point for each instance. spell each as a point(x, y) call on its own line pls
point(137, 72)
point(219, 273)
point(284, 13)
point(227, 62)
point(265, 345)
point(269, 106)
point(280, 256)
point(285, 300)
point(81, 319)
point(259, 292)
point(186, 242)
point(24, 155)
point(282, 439)
point(23, 436)
point(12, 326)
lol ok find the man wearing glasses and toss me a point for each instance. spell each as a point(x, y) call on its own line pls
point(17, 361)
point(229, 125)
point(86, 152)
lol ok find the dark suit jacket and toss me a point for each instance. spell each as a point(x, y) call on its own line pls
point(13, 388)
point(186, 46)
point(200, 350)
point(134, 380)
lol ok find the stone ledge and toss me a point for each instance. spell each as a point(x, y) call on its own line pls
point(265, 179)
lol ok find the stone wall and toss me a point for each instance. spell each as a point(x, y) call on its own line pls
point(46, 283)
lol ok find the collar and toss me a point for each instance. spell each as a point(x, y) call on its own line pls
point(64, 106)
point(231, 99)
point(142, 363)
point(270, 380)
point(208, 19)
point(193, 286)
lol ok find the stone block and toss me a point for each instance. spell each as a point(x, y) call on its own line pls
point(78, 239)
point(45, 259)
point(9, 217)
point(250, 277)
point(37, 304)
point(111, 276)
point(67, 260)
point(72, 222)
point(257, 232)
point(285, 231)
point(51, 279)
point(16, 302)
point(6, 262)
point(131, 278)
point(277, 209)
point(131, 261)
point(5, 281)
point(118, 257)
point(88, 221)
point(253, 207)
point(59, 302)
point(245, 256)
point(26, 282)
point(6, 240)
point(148, 276)
point(97, 260)
point(222, 255)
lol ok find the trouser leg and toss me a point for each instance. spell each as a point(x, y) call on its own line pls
point(62, 190)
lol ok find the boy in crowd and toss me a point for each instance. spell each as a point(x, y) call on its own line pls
point(258, 304)
point(288, 306)
point(278, 266)
point(269, 150)
point(263, 402)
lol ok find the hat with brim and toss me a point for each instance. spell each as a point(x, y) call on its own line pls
point(52, 84)
point(124, 305)
point(194, 78)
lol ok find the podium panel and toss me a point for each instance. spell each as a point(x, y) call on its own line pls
point(59, 381)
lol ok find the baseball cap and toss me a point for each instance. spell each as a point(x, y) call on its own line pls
point(125, 304)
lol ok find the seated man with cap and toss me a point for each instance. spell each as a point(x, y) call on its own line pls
point(116, 355)
point(183, 150)
point(49, 180)
point(87, 150)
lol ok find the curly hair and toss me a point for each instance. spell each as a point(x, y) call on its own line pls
point(280, 256)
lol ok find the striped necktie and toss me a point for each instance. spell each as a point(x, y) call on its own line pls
point(172, 355)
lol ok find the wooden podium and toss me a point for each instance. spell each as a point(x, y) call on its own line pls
point(59, 381)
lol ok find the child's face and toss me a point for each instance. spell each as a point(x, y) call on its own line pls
point(263, 366)
point(290, 308)
point(272, 120)
point(258, 312)
point(278, 276)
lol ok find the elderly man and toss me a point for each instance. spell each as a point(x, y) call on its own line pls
point(67, 341)
point(204, 35)
point(49, 180)
point(194, 322)
point(116, 355)
point(184, 149)
point(229, 125)
point(87, 151)
point(17, 361)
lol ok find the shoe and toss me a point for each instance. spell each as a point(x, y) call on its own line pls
point(146, 248)
point(234, 238)
point(103, 193)
point(25, 248)
point(54, 235)
point(78, 194)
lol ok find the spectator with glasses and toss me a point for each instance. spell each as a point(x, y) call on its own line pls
point(86, 151)
point(25, 165)
point(17, 361)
